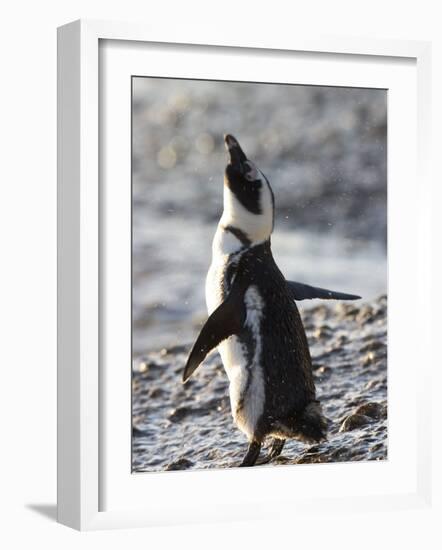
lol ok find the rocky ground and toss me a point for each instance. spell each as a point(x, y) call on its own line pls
point(183, 427)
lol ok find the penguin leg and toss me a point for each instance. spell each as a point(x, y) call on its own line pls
point(252, 453)
point(275, 450)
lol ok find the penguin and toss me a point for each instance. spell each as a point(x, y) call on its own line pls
point(254, 321)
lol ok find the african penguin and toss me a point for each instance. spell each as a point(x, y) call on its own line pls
point(254, 322)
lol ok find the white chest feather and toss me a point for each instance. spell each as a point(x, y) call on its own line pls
point(243, 367)
point(224, 245)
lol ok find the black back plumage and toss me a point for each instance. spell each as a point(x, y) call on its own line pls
point(285, 356)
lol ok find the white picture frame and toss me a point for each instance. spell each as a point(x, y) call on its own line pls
point(83, 462)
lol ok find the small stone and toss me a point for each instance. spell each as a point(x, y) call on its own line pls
point(144, 365)
point(156, 392)
point(176, 415)
point(373, 410)
point(323, 371)
point(368, 359)
point(354, 422)
point(324, 331)
point(373, 345)
point(179, 464)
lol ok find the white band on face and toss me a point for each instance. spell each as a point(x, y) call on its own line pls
point(258, 227)
point(253, 174)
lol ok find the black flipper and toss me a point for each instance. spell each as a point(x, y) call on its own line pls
point(300, 291)
point(226, 320)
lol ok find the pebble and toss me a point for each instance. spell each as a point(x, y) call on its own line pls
point(178, 414)
point(373, 410)
point(354, 422)
point(179, 464)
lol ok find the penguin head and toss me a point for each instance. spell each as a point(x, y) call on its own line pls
point(248, 197)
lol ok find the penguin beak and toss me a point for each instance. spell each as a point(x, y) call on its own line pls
point(236, 154)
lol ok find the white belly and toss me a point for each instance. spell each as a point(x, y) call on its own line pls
point(213, 285)
point(246, 396)
point(232, 354)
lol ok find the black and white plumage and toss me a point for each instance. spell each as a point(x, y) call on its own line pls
point(254, 322)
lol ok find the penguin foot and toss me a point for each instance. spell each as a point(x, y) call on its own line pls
point(252, 454)
point(275, 450)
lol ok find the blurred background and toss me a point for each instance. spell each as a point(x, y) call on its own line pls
point(324, 152)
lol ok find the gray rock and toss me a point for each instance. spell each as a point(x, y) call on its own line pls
point(354, 422)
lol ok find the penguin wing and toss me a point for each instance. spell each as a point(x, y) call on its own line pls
point(300, 291)
point(227, 319)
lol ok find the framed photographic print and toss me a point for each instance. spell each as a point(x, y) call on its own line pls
point(238, 226)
